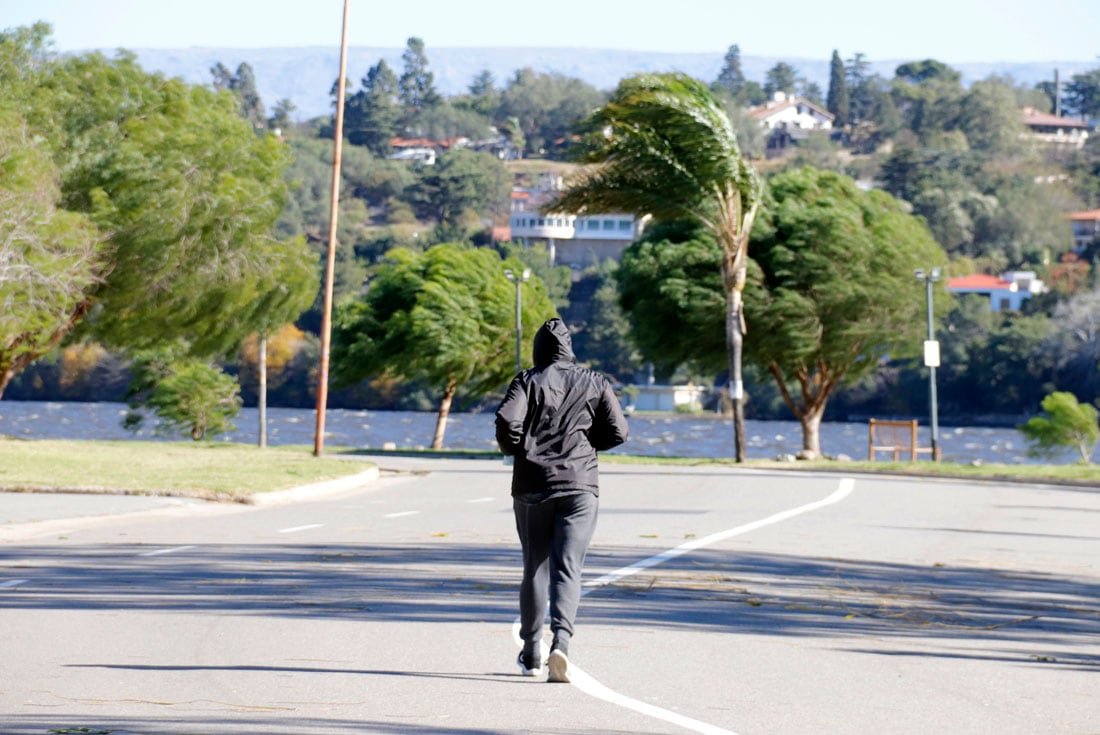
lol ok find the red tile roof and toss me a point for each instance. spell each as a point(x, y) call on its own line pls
point(1044, 119)
point(1091, 215)
point(979, 281)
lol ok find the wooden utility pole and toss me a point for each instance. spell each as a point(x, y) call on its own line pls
point(330, 262)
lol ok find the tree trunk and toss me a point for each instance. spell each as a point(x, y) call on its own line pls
point(811, 431)
point(816, 390)
point(5, 378)
point(444, 411)
point(735, 323)
point(261, 399)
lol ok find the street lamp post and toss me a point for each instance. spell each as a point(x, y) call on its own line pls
point(931, 356)
point(519, 279)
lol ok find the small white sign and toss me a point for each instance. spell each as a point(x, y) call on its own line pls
point(931, 353)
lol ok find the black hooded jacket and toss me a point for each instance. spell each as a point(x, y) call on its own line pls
point(554, 419)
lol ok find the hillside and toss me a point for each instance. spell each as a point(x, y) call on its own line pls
point(305, 75)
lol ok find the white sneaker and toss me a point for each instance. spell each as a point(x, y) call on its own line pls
point(559, 667)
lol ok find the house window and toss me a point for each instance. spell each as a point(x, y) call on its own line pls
point(593, 224)
point(1006, 305)
point(624, 225)
point(542, 221)
point(609, 224)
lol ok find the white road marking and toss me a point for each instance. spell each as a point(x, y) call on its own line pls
point(402, 513)
point(481, 500)
point(296, 529)
point(12, 583)
point(159, 552)
point(593, 688)
point(842, 492)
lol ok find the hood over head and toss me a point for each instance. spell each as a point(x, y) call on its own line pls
point(553, 343)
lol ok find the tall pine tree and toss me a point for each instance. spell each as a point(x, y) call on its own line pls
point(837, 101)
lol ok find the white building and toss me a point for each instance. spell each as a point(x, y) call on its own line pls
point(572, 240)
point(1005, 293)
point(790, 112)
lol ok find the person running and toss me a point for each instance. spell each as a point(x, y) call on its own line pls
point(553, 420)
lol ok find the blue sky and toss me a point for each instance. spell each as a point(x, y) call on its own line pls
point(949, 30)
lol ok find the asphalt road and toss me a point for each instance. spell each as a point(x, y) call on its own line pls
point(717, 601)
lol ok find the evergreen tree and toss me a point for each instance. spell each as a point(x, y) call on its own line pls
point(837, 102)
point(731, 78)
point(371, 115)
point(780, 78)
point(416, 86)
point(861, 89)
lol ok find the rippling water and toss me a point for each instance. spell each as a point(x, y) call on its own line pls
point(651, 434)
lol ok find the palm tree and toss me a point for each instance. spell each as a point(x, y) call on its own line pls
point(664, 146)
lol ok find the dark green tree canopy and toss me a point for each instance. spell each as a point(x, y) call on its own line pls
point(445, 316)
point(837, 101)
point(731, 78)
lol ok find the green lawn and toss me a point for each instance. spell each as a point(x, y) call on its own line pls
point(215, 471)
point(235, 471)
point(1079, 474)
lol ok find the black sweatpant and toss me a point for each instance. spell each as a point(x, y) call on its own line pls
point(554, 535)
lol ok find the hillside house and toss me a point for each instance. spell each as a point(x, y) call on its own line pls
point(790, 119)
point(573, 241)
point(1086, 228)
point(1053, 129)
point(1005, 293)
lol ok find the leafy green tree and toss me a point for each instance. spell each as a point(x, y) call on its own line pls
point(280, 119)
point(861, 88)
point(189, 396)
point(49, 258)
point(1083, 94)
point(416, 86)
point(372, 115)
point(484, 96)
point(927, 95)
point(731, 78)
point(1067, 424)
point(837, 101)
point(547, 106)
point(835, 290)
point(243, 85)
point(671, 295)
point(462, 181)
point(665, 147)
point(445, 317)
point(990, 117)
point(558, 279)
point(780, 78)
point(181, 189)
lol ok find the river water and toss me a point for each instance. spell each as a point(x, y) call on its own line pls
point(651, 434)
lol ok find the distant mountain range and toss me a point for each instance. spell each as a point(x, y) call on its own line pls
point(305, 75)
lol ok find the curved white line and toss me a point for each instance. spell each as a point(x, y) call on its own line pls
point(593, 688)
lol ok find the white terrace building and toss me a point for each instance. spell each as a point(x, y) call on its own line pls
point(573, 241)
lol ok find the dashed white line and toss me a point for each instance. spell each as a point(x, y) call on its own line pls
point(296, 529)
point(593, 688)
point(401, 514)
point(12, 583)
point(159, 552)
point(481, 500)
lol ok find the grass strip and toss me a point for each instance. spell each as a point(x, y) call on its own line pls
point(205, 470)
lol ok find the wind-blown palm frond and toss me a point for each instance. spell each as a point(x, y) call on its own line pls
point(661, 146)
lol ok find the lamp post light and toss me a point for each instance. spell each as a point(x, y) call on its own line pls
point(519, 279)
point(931, 356)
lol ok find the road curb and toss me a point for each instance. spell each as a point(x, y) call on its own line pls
point(313, 490)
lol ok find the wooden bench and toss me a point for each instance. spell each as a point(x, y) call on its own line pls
point(895, 437)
